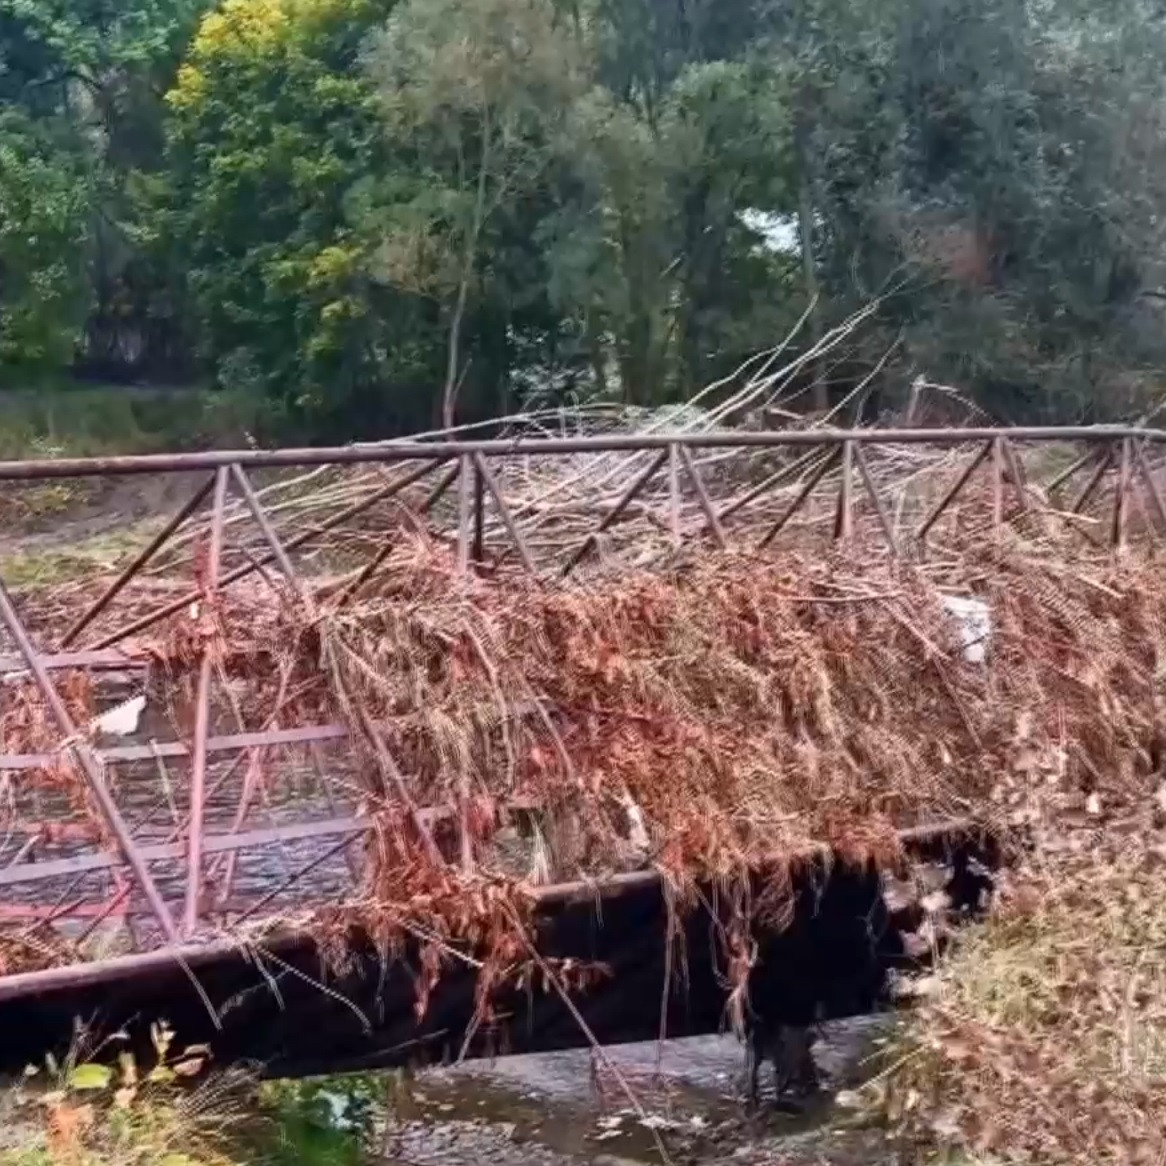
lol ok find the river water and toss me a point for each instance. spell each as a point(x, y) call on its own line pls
point(621, 1107)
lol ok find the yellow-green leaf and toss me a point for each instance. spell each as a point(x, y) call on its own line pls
point(90, 1077)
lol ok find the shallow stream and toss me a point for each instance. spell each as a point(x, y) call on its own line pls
point(570, 1109)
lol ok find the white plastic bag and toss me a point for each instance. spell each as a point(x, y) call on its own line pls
point(975, 620)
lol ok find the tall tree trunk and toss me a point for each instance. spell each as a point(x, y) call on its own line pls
point(821, 395)
point(452, 375)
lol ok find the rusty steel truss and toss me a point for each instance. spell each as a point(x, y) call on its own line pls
point(184, 870)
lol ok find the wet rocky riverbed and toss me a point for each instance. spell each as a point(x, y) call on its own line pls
point(622, 1107)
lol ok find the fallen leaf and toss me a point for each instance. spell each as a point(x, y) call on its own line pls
point(88, 1077)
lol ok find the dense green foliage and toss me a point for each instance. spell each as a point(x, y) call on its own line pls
point(379, 214)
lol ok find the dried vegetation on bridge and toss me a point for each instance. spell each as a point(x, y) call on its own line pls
point(725, 713)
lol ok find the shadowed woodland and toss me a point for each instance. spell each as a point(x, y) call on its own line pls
point(365, 215)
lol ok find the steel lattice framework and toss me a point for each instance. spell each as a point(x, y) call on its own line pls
point(213, 851)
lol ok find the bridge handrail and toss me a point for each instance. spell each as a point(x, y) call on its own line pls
point(410, 450)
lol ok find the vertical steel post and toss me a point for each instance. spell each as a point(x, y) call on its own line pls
point(479, 554)
point(997, 484)
point(465, 475)
point(872, 490)
point(486, 476)
point(844, 520)
point(702, 496)
point(1121, 496)
point(202, 716)
point(674, 493)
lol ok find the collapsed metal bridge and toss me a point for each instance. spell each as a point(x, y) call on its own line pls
point(143, 908)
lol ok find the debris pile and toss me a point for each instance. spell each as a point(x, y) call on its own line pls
point(719, 716)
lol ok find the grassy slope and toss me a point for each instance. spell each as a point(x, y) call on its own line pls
point(1045, 1040)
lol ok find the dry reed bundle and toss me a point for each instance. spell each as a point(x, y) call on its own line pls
point(727, 714)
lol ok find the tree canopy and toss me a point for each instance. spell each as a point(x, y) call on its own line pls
point(378, 215)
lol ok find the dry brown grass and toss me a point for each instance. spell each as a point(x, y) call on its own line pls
point(1046, 1041)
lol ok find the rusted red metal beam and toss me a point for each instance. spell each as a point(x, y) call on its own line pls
point(1069, 471)
point(868, 482)
point(229, 843)
point(260, 515)
point(486, 477)
point(807, 489)
point(241, 572)
point(251, 780)
point(140, 560)
point(173, 851)
point(109, 660)
point(465, 483)
point(712, 519)
point(194, 956)
point(1094, 481)
point(844, 521)
point(94, 914)
point(625, 500)
point(202, 713)
point(1151, 485)
point(1121, 495)
point(956, 487)
point(304, 735)
point(34, 469)
point(352, 589)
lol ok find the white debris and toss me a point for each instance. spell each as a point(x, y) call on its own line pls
point(975, 620)
point(121, 721)
point(637, 830)
point(935, 903)
point(539, 874)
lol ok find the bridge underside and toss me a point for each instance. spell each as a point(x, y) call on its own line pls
point(283, 1007)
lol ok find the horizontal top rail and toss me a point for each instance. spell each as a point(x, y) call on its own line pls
point(410, 450)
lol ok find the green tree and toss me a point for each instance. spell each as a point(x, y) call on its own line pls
point(44, 199)
point(275, 141)
point(996, 165)
point(656, 252)
point(89, 75)
point(477, 97)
